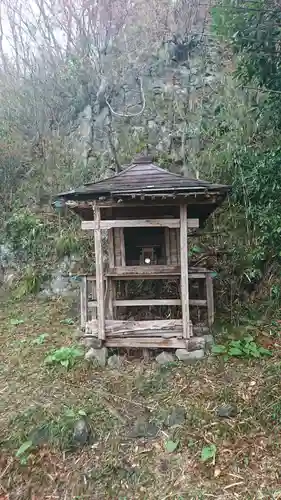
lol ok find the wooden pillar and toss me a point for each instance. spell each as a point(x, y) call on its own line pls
point(111, 283)
point(99, 275)
point(167, 246)
point(210, 300)
point(122, 247)
point(184, 271)
point(84, 302)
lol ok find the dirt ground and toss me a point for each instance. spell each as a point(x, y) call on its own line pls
point(128, 454)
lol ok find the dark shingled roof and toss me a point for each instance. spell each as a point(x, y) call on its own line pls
point(142, 176)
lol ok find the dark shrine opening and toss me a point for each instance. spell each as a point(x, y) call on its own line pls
point(144, 246)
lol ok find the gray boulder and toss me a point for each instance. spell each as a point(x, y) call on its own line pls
point(189, 357)
point(165, 358)
point(81, 432)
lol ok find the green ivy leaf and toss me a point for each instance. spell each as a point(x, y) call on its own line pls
point(82, 413)
point(23, 448)
point(40, 339)
point(171, 446)
point(235, 351)
point(67, 321)
point(16, 322)
point(65, 362)
point(208, 453)
point(69, 413)
point(219, 349)
point(265, 352)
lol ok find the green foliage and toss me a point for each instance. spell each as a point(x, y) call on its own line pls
point(209, 453)
point(65, 356)
point(67, 244)
point(16, 321)
point(40, 339)
point(23, 448)
point(31, 281)
point(25, 232)
point(171, 446)
point(74, 414)
point(67, 321)
point(253, 31)
point(246, 348)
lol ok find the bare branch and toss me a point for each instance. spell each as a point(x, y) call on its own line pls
point(131, 115)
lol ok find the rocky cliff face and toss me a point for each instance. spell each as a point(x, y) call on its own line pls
point(179, 82)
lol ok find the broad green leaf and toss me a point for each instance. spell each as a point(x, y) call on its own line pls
point(235, 351)
point(82, 413)
point(67, 321)
point(219, 349)
point(65, 362)
point(70, 413)
point(248, 338)
point(40, 339)
point(265, 352)
point(208, 452)
point(16, 322)
point(171, 446)
point(23, 448)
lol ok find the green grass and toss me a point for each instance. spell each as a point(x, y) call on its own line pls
point(42, 403)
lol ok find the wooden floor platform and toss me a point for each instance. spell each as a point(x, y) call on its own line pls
point(150, 272)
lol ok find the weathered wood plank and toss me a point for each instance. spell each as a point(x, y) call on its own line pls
point(128, 272)
point(99, 276)
point(167, 246)
point(121, 327)
point(150, 343)
point(117, 249)
point(150, 302)
point(147, 302)
point(84, 301)
point(111, 284)
point(144, 270)
point(184, 271)
point(122, 247)
point(108, 224)
point(173, 247)
point(147, 333)
point(110, 248)
point(210, 300)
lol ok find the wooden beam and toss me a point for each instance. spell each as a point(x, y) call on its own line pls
point(83, 301)
point(173, 270)
point(108, 224)
point(184, 271)
point(99, 275)
point(115, 327)
point(147, 303)
point(167, 246)
point(122, 247)
point(146, 342)
point(210, 300)
point(110, 283)
point(144, 271)
point(151, 302)
point(110, 248)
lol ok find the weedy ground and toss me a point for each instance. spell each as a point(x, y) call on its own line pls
point(41, 402)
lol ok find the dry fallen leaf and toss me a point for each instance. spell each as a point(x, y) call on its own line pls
point(217, 472)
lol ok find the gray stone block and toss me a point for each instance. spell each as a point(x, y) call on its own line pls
point(165, 357)
point(99, 355)
point(189, 357)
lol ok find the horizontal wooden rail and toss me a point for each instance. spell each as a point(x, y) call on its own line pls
point(143, 270)
point(152, 302)
point(124, 327)
point(164, 270)
point(109, 224)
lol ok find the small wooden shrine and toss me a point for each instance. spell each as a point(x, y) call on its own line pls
point(141, 220)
